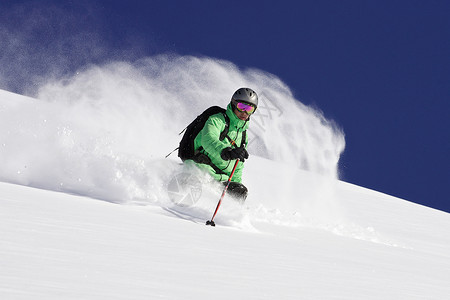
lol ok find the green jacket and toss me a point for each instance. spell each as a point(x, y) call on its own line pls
point(212, 146)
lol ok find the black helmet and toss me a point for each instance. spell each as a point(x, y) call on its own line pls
point(246, 95)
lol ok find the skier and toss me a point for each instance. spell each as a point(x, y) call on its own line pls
point(218, 154)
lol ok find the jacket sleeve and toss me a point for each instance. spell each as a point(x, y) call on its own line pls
point(213, 146)
point(210, 137)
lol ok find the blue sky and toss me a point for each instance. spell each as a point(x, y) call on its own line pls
point(380, 69)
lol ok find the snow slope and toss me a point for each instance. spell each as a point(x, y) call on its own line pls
point(61, 246)
point(84, 211)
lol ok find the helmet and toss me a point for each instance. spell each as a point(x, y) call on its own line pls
point(245, 95)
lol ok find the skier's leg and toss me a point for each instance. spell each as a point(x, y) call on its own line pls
point(238, 191)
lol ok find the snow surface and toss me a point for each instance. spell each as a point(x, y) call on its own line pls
point(85, 213)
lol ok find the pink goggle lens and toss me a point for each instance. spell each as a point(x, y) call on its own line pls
point(245, 107)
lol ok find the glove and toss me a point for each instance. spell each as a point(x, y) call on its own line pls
point(236, 153)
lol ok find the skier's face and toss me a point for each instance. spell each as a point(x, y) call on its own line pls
point(242, 115)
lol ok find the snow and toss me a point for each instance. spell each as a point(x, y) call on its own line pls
point(61, 246)
point(84, 211)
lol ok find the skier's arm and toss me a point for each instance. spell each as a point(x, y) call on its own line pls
point(211, 137)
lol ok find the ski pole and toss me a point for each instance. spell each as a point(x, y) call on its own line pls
point(223, 194)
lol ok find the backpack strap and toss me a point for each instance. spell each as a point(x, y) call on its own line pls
point(243, 140)
point(224, 133)
point(202, 158)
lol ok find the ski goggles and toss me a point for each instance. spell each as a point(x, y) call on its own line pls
point(244, 107)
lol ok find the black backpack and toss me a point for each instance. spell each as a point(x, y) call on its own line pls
point(186, 148)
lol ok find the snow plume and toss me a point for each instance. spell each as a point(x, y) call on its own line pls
point(42, 39)
point(104, 131)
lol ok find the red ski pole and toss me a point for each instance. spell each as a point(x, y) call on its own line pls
point(223, 194)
